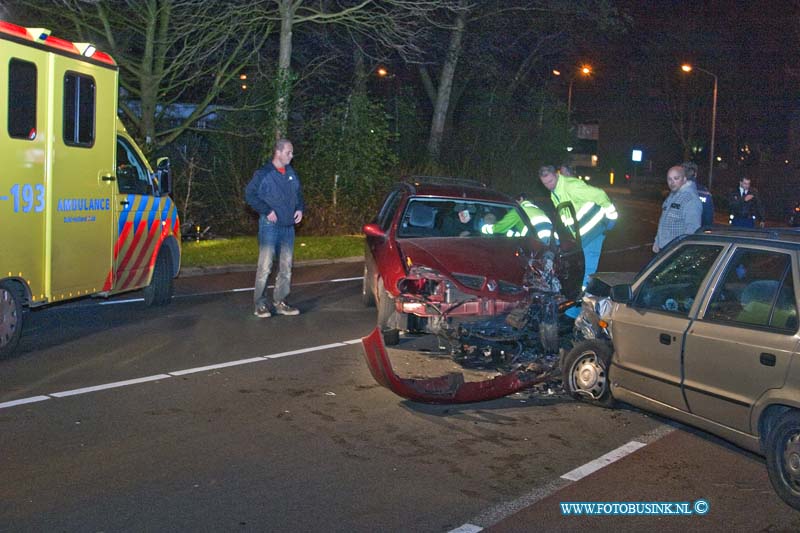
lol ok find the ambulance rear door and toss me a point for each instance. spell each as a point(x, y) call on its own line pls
point(83, 115)
point(23, 137)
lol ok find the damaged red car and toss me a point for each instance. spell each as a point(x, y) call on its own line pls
point(430, 259)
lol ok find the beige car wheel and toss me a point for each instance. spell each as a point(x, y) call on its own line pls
point(585, 372)
point(783, 457)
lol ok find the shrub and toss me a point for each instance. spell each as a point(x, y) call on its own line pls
point(346, 168)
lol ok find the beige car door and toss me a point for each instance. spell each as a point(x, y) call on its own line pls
point(649, 332)
point(744, 341)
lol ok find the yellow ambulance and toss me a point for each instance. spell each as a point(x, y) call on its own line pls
point(81, 211)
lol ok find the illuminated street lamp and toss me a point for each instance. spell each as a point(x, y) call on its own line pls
point(688, 68)
point(585, 70)
point(383, 72)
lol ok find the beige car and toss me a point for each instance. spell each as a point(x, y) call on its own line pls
point(707, 334)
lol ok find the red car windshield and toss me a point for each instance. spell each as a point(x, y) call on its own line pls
point(444, 217)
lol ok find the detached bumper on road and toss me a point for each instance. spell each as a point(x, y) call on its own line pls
point(451, 388)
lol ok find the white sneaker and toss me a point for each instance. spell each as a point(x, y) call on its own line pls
point(262, 311)
point(282, 308)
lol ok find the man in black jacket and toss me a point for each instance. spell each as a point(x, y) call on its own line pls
point(282, 196)
point(745, 206)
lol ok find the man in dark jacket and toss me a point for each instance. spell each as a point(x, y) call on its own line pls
point(745, 206)
point(283, 198)
point(702, 192)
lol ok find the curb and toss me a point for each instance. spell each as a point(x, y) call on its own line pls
point(188, 272)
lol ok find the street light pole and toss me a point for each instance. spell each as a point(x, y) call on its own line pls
point(586, 70)
point(383, 73)
point(569, 98)
point(713, 131)
point(689, 68)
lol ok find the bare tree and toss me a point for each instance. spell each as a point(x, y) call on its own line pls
point(393, 24)
point(490, 28)
point(684, 107)
point(442, 101)
point(168, 52)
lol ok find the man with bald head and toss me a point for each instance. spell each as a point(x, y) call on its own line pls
point(681, 212)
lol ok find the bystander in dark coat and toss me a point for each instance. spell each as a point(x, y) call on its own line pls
point(745, 205)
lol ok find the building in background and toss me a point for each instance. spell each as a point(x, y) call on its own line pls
point(583, 153)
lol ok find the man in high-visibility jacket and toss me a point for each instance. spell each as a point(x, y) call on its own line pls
point(594, 211)
point(512, 225)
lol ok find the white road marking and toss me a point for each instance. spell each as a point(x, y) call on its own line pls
point(117, 302)
point(503, 510)
point(603, 460)
point(240, 289)
point(339, 280)
point(467, 528)
point(32, 399)
point(306, 350)
point(215, 367)
point(175, 373)
point(116, 384)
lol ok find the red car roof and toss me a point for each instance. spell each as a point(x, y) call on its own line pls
point(454, 188)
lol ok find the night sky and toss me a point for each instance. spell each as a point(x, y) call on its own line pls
point(751, 46)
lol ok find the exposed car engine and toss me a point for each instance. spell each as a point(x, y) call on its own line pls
point(529, 336)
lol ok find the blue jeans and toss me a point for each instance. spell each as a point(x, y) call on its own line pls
point(271, 239)
point(591, 256)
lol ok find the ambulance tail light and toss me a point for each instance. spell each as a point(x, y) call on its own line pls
point(104, 57)
point(61, 44)
point(13, 29)
point(43, 35)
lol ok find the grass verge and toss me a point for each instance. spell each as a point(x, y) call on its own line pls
point(244, 250)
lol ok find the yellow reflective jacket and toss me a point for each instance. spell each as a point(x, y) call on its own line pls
point(513, 226)
point(592, 205)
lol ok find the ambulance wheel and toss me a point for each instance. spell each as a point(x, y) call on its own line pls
point(159, 292)
point(11, 319)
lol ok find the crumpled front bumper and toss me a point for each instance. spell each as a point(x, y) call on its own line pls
point(450, 388)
